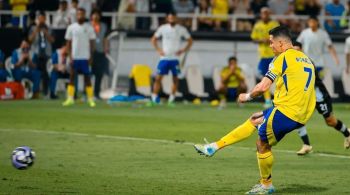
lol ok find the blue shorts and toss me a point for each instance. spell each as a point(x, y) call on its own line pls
point(232, 94)
point(81, 66)
point(263, 66)
point(164, 66)
point(275, 126)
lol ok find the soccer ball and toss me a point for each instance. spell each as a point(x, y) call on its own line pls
point(23, 157)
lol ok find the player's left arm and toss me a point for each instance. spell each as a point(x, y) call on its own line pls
point(331, 48)
point(187, 47)
point(333, 53)
point(257, 91)
point(185, 34)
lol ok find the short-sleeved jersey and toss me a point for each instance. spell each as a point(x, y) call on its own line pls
point(171, 39)
point(17, 55)
point(295, 94)
point(261, 31)
point(314, 44)
point(234, 80)
point(80, 35)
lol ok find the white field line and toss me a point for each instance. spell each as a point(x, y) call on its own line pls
point(155, 141)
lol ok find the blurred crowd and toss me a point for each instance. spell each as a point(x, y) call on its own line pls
point(213, 15)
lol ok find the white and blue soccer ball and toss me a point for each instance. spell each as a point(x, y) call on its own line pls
point(23, 157)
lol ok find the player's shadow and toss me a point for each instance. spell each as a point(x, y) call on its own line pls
point(300, 189)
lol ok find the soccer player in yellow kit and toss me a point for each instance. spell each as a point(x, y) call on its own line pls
point(294, 103)
point(260, 35)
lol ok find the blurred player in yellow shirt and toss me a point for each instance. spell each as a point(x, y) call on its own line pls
point(260, 35)
point(232, 82)
point(18, 6)
point(294, 103)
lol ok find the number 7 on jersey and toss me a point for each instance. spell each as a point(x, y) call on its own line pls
point(309, 71)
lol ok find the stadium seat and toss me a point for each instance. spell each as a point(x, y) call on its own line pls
point(142, 78)
point(329, 82)
point(195, 81)
point(9, 66)
point(167, 83)
point(346, 83)
point(249, 75)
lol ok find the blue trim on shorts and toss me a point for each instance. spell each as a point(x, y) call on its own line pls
point(281, 125)
point(81, 66)
point(166, 66)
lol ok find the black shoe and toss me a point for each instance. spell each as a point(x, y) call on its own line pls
point(53, 97)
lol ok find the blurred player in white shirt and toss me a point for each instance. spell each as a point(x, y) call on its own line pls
point(314, 41)
point(172, 35)
point(80, 38)
point(347, 53)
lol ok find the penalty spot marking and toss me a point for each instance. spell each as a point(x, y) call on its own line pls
point(154, 141)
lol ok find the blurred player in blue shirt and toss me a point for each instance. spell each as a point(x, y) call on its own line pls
point(60, 69)
point(25, 66)
point(3, 72)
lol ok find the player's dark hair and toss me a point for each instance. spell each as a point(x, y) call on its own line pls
point(81, 9)
point(232, 58)
point(297, 44)
point(41, 13)
point(171, 13)
point(96, 11)
point(281, 31)
point(313, 17)
point(75, 1)
point(25, 39)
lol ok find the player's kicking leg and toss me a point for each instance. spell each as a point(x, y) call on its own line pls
point(238, 134)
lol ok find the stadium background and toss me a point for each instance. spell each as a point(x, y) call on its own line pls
point(130, 149)
point(229, 41)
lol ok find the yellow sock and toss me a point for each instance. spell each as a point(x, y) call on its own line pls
point(238, 134)
point(89, 93)
point(70, 91)
point(267, 96)
point(265, 162)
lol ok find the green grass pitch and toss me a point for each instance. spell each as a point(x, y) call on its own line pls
point(93, 151)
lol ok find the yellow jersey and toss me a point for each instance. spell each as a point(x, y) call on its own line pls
point(221, 8)
point(234, 80)
point(295, 94)
point(261, 31)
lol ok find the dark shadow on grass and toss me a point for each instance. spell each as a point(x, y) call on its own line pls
point(300, 189)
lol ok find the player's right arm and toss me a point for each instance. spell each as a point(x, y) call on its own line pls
point(257, 91)
point(265, 84)
point(154, 41)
